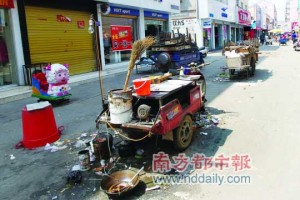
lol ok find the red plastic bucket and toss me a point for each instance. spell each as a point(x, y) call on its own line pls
point(39, 127)
point(142, 86)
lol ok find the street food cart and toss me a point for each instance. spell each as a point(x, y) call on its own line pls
point(168, 110)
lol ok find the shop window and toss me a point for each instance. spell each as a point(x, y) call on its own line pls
point(113, 56)
point(6, 59)
point(155, 27)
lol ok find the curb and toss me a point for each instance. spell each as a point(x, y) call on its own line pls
point(15, 93)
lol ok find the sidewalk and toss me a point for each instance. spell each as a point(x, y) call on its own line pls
point(14, 92)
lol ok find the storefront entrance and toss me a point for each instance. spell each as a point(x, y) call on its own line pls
point(7, 59)
point(117, 55)
point(218, 36)
point(154, 27)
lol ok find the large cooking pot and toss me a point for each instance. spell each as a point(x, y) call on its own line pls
point(120, 182)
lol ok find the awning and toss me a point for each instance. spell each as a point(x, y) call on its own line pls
point(7, 4)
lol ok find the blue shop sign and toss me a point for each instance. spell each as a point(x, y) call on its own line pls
point(174, 7)
point(156, 15)
point(124, 11)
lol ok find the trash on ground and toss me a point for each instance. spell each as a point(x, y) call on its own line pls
point(203, 133)
point(55, 197)
point(12, 157)
point(80, 143)
point(74, 177)
point(76, 167)
point(83, 135)
point(153, 188)
point(215, 120)
point(100, 173)
point(54, 148)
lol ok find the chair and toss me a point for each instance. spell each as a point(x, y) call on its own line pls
point(29, 69)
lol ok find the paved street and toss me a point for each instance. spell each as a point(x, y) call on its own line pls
point(257, 117)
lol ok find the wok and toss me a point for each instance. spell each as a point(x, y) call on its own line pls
point(120, 182)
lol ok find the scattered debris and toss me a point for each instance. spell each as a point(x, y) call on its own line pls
point(80, 143)
point(74, 177)
point(100, 173)
point(55, 197)
point(153, 188)
point(83, 135)
point(222, 77)
point(215, 120)
point(139, 153)
point(12, 157)
point(203, 133)
point(102, 163)
point(207, 126)
point(54, 148)
point(76, 167)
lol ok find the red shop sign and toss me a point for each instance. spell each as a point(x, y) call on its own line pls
point(244, 17)
point(7, 4)
point(121, 38)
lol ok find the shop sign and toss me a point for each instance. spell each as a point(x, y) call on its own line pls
point(220, 11)
point(253, 24)
point(124, 11)
point(121, 38)
point(62, 18)
point(183, 24)
point(156, 15)
point(206, 23)
point(244, 17)
point(174, 7)
point(7, 4)
point(294, 25)
point(80, 24)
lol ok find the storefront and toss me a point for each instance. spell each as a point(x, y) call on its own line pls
point(57, 33)
point(244, 20)
point(190, 26)
point(221, 16)
point(7, 56)
point(119, 31)
point(206, 31)
point(124, 24)
point(155, 23)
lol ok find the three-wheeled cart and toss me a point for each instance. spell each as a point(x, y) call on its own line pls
point(237, 64)
point(245, 64)
point(282, 41)
point(169, 110)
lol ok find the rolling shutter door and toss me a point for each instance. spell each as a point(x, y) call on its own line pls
point(63, 40)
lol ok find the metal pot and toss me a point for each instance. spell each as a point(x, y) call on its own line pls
point(120, 182)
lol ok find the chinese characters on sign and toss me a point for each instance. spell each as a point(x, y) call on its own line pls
point(121, 38)
point(244, 17)
point(62, 18)
point(162, 163)
point(6, 4)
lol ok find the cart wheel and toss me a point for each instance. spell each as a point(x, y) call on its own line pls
point(252, 64)
point(183, 134)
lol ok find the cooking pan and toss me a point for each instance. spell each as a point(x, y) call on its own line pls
point(120, 182)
